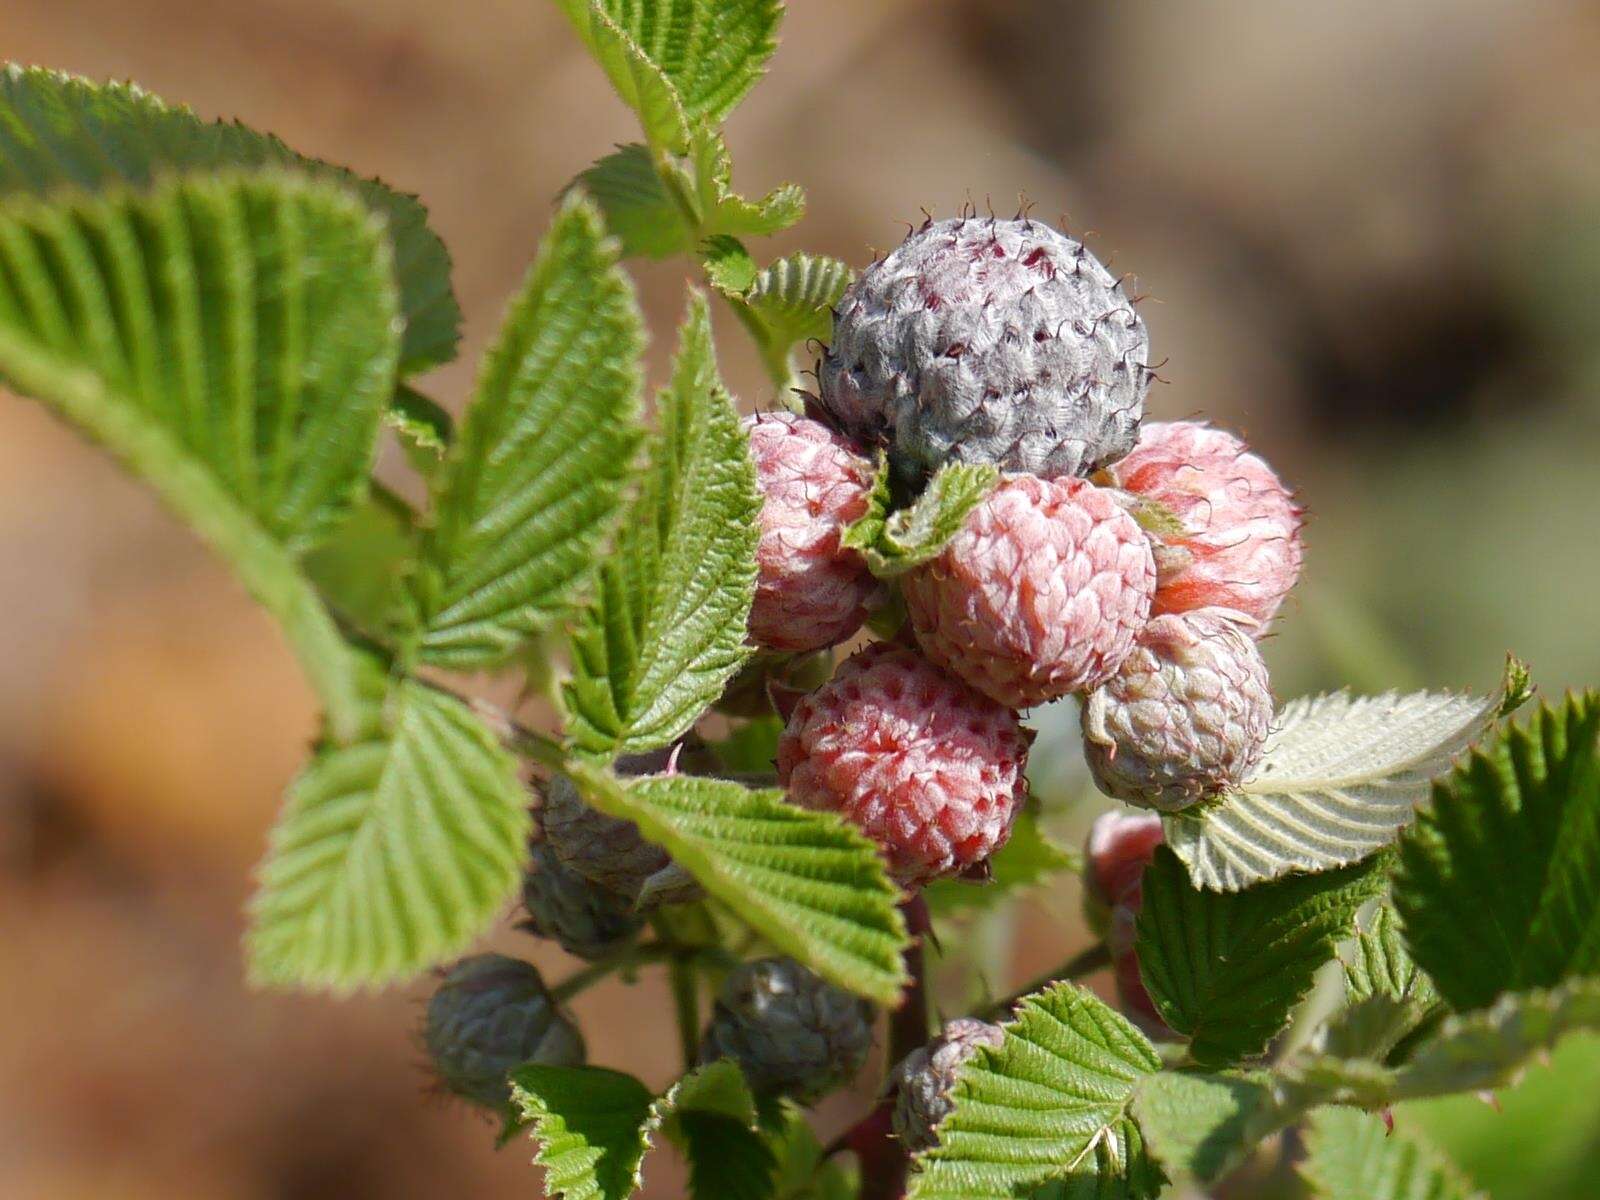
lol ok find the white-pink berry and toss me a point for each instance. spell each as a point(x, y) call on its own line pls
point(811, 591)
point(1039, 595)
point(1185, 717)
point(1241, 549)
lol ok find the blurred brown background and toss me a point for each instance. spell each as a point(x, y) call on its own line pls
point(1371, 234)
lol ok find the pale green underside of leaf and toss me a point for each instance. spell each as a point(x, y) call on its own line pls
point(1205, 1124)
point(808, 882)
point(1499, 881)
point(1353, 1156)
point(710, 51)
point(233, 342)
point(534, 477)
point(918, 533)
point(590, 1127)
point(1341, 776)
point(1050, 1104)
point(667, 629)
point(1227, 968)
point(58, 129)
point(393, 852)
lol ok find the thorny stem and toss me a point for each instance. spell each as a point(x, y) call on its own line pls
point(1083, 963)
point(883, 1159)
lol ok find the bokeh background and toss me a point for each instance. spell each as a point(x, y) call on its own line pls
point(1371, 237)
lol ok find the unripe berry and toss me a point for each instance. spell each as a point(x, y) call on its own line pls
point(490, 1015)
point(924, 1078)
point(1039, 595)
point(793, 1033)
point(988, 341)
point(1241, 549)
point(811, 591)
point(608, 850)
point(585, 918)
point(928, 768)
point(1186, 716)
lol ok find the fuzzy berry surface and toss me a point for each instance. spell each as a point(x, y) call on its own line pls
point(1185, 718)
point(1039, 595)
point(923, 1080)
point(793, 1033)
point(811, 591)
point(489, 1015)
point(930, 769)
point(988, 341)
point(583, 917)
point(1241, 549)
point(608, 850)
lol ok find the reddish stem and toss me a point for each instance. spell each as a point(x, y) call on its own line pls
point(882, 1157)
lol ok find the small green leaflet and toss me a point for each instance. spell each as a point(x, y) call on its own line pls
point(1354, 1156)
point(709, 52)
point(594, 1127)
point(423, 428)
point(1051, 1104)
point(667, 629)
point(1227, 968)
point(808, 882)
point(1499, 881)
point(724, 211)
point(1341, 776)
point(60, 130)
point(393, 852)
point(1389, 997)
point(534, 479)
point(233, 341)
point(894, 543)
point(786, 303)
point(360, 571)
point(638, 210)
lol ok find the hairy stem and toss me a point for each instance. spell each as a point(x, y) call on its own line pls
point(686, 1004)
point(1083, 963)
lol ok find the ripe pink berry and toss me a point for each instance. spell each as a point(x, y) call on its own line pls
point(811, 592)
point(1039, 595)
point(931, 770)
point(1184, 718)
point(1242, 550)
point(1119, 848)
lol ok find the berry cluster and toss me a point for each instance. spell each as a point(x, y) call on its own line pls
point(1134, 568)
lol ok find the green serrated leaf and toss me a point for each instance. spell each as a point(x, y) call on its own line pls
point(1203, 1125)
point(534, 479)
point(784, 304)
point(591, 1126)
point(711, 52)
point(233, 342)
point(638, 210)
point(1050, 1104)
point(1499, 881)
point(360, 570)
point(729, 268)
point(1354, 1156)
point(1517, 688)
point(1028, 859)
point(423, 428)
point(60, 130)
point(393, 852)
point(866, 531)
point(916, 534)
point(809, 883)
point(1227, 968)
point(722, 209)
point(667, 629)
point(1389, 998)
point(640, 81)
point(801, 1171)
point(1341, 776)
point(711, 1117)
point(751, 746)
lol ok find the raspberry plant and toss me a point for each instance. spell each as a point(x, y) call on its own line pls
point(972, 490)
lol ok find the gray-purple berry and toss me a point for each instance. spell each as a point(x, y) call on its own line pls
point(585, 918)
point(490, 1015)
point(793, 1033)
point(610, 851)
point(1184, 718)
point(923, 1080)
point(988, 341)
